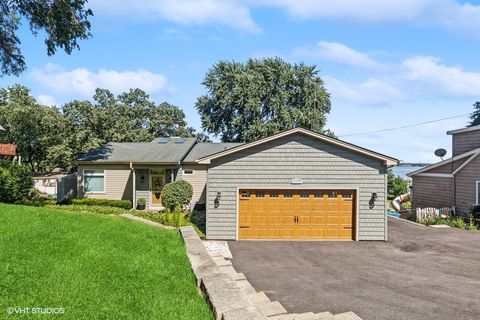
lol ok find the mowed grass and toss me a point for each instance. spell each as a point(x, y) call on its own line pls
point(94, 267)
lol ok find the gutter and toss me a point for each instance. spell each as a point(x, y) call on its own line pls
point(134, 196)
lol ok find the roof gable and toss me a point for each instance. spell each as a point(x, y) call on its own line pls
point(339, 143)
point(472, 154)
point(462, 130)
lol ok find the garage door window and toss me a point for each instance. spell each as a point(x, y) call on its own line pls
point(347, 194)
point(318, 194)
point(287, 194)
point(332, 194)
point(273, 194)
point(259, 194)
point(304, 194)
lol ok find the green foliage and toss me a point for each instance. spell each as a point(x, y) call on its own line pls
point(396, 185)
point(176, 194)
point(199, 219)
point(48, 138)
point(90, 209)
point(245, 102)
point(124, 204)
point(141, 202)
point(176, 218)
point(454, 222)
point(16, 183)
point(96, 267)
point(62, 23)
point(475, 116)
point(34, 128)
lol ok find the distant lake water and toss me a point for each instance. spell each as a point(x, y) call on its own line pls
point(403, 170)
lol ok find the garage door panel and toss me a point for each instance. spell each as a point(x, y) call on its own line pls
point(296, 214)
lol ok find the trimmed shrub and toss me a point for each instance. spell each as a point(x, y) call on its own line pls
point(176, 194)
point(124, 204)
point(91, 209)
point(16, 183)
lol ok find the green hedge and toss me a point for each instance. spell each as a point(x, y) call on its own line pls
point(124, 204)
point(176, 194)
point(16, 183)
point(90, 209)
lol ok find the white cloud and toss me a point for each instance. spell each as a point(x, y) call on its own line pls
point(437, 78)
point(84, 82)
point(231, 13)
point(46, 100)
point(369, 92)
point(337, 52)
point(365, 10)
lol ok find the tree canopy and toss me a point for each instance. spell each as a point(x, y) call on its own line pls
point(63, 22)
point(49, 137)
point(245, 102)
point(475, 116)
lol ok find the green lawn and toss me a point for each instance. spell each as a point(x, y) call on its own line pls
point(94, 267)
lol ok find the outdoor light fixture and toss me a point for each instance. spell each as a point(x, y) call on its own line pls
point(216, 202)
point(371, 203)
point(142, 179)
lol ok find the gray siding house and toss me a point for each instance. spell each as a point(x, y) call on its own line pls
point(297, 184)
point(454, 182)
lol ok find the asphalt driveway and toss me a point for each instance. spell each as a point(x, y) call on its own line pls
point(420, 273)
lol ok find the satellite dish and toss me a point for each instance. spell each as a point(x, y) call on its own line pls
point(440, 153)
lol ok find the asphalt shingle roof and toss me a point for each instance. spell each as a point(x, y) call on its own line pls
point(204, 149)
point(172, 151)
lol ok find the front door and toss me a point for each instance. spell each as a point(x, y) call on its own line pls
point(157, 183)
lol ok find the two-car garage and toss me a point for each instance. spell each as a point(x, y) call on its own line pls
point(296, 185)
point(288, 214)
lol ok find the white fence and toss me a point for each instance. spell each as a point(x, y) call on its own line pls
point(431, 213)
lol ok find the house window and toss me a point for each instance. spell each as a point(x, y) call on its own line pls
point(478, 192)
point(188, 172)
point(94, 180)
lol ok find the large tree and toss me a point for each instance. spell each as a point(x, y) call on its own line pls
point(129, 117)
point(34, 128)
point(63, 22)
point(475, 116)
point(249, 101)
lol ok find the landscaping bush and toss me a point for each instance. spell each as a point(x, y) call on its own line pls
point(16, 183)
point(90, 209)
point(177, 193)
point(176, 218)
point(454, 222)
point(199, 219)
point(124, 204)
point(396, 185)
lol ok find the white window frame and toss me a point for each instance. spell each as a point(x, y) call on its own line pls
point(104, 175)
point(188, 174)
point(477, 183)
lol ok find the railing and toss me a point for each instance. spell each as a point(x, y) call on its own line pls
point(430, 213)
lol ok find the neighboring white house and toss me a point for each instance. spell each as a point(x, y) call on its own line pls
point(56, 185)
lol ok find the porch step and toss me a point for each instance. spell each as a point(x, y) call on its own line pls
point(271, 308)
point(257, 298)
point(245, 287)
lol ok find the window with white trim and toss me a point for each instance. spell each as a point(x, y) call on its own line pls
point(188, 172)
point(93, 180)
point(478, 192)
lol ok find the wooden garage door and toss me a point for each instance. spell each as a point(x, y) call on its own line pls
point(296, 214)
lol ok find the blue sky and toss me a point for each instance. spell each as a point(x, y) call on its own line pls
point(386, 64)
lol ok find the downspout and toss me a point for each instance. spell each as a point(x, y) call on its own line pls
point(134, 195)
